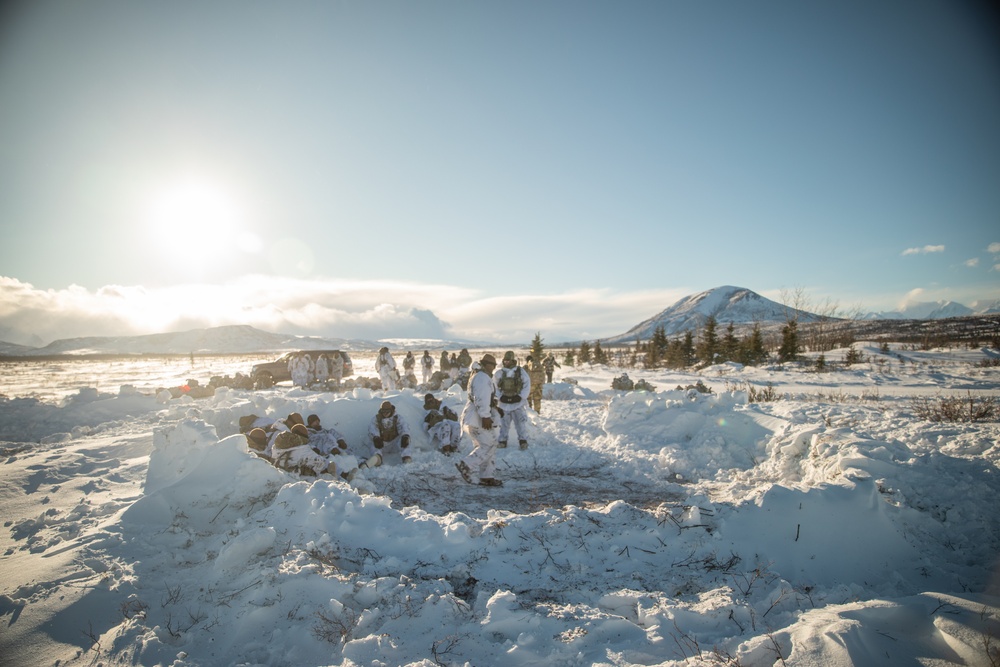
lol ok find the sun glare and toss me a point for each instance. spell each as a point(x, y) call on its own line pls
point(194, 221)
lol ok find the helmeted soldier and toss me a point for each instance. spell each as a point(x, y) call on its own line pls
point(513, 386)
point(389, 430)
point(336, 368)
point(479, 421)
point(549, 363)
point(385, 366)
point(537, 375)
point(427, 366)
point(409, 369)
point(441, 424)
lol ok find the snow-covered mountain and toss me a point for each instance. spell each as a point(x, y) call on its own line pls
point(986, 307)
point(727, 303)
point(929, 310)
point(235, 339)
point(215, 340)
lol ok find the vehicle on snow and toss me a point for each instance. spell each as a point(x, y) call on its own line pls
point(272, 372)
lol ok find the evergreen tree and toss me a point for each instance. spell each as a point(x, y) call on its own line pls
point(708, 348)
point(789, 349)
point(599, 356)
point(680, 352)
point(729, 349)
point(688, 348)
point(569, 359)
point(537, 349)
point(634, 359)
point(584, 354)
point(752, 352)
point(656, 348)
point(821, 362)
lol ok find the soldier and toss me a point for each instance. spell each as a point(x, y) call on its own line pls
point(549, 363)
point(385, 366)
point(336, 369)
point(479, 420)
point(331, 444)
point(409, 369)
point(298, 368)
point(536, 373)
point(291, 452)
point(389, 428)
point(325, 441)
point(513, 386)
point(427, 366)
point(322, 371)
point(441, 424)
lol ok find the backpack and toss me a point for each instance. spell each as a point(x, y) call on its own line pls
point(511, 385)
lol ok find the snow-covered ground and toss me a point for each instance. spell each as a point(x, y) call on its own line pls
point(830, 527)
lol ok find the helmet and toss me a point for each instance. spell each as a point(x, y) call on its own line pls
point(508, 356)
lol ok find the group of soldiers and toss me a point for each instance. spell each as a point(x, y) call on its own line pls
point(326, 370)
point(453, 369)
point(498, 402)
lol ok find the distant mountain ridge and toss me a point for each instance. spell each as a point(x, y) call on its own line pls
point(230, 339)
point(738, 305)
point(727, 303)
point(215, 340)
point(936, 310)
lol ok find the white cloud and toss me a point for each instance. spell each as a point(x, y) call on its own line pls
point(913, 296)
point(993, 248)
point(972, 263)
point(334, 308)
point(927, 249)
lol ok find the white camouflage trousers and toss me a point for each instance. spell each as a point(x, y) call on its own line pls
point(482, 459)
point(520, 418)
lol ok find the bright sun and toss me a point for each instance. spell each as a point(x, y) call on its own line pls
point(194, 221)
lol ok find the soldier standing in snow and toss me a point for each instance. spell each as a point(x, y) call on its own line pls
point(479, 420)
point(385, 366)
point(513, 386)
point(549, 363)
point(298, 368)
point(389, 428)
point(336, 369)
point(409, 372)
point(536, 373)
point(322, 369)
point(427, 366)
point(445, 368)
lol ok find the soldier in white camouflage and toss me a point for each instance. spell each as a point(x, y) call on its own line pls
point(513, 387)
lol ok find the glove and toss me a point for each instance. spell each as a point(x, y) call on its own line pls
point(487, 422)
point(342, 444)
point(404, 442)
point(500, 411)
point(377, 442)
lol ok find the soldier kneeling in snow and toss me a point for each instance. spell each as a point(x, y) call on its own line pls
point(330, 443)
point(441, 424)
point(388, 428)
point(290, 451)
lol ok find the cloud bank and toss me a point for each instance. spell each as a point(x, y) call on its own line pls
point(331, 308)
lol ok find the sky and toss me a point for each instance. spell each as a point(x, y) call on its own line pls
point(488, 170)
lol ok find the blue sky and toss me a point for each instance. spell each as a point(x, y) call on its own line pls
point(488, 169)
